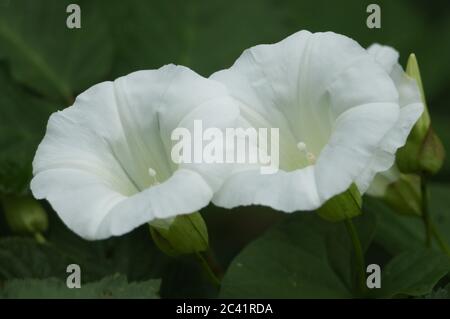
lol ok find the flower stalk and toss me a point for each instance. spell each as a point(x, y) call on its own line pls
point(211, 267)
point(359, 255)
point(425, 212)
point(431, 231)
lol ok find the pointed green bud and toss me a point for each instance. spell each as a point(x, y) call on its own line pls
point(24, 214)
point(412, 70)
point(423, 151)
point(403, 195)
point(343, 206)
point(184, 234)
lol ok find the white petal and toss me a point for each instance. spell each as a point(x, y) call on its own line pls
point(386, 56)
point(382, 181)
point(183, 193)
point(411, 108)
point(285, 191)
point(100, 159)
point(352, 146)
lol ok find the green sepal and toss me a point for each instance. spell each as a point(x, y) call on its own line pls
point(185, 234)
point(404, 196)
point(421, 156)
point(343, 206)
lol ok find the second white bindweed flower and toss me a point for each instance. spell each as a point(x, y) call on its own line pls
point(342, 116)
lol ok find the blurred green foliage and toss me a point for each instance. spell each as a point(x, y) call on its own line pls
point(44, 65)
point(107, 288)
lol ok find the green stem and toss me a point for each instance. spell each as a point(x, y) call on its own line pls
point(430, 228)
point(425, 212)
point(360, 263)
point(441, 241)
point(208, 267)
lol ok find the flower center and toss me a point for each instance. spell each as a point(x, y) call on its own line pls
point(307, 158)
point(152, 174)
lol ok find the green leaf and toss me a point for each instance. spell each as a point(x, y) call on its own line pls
point(183, 277)
point(23, 120)
point(440, 293)
point(47, 56)
point(133, 254)
point(110, 287)
point(395, 232)
point(413, 273)
point(25, 258)
point(136, 255)
point(303, 257)
point(439, 209)
point(398, 233)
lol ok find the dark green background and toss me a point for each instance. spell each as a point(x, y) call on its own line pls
point(44, 65)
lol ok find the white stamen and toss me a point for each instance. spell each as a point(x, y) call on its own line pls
point(151, 172)
point(311, 158)
point(301, 146)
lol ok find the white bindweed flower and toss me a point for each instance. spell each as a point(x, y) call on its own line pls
point(105, 162)
point(341, 117)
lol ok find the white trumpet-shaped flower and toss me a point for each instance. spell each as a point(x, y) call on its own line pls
point(341, 114)
point(105, 164)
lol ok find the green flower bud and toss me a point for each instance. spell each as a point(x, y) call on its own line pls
point(412, 70)
point(423, 151)
point(24, 215)
point(185, 234)
point(343, 206)
point(403, 195)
